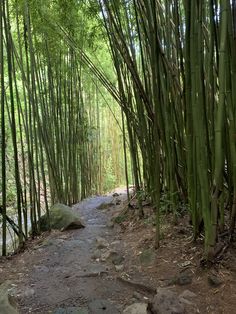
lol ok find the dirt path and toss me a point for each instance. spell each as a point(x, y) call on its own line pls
point(86, 271)
point(63, 271)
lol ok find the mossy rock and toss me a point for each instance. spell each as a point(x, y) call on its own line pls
point(7, 304)
point(61, 217)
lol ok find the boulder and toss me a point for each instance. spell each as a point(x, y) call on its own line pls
point(62, 218)
point(7, 304)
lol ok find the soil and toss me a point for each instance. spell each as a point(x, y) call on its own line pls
point(117, 263)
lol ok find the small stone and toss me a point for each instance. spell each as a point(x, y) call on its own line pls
point(101, 243)
point(29, 292)
point(118, 202)
point(119, 268)
point(185, 301)
point(41, 268)
point(115, 243)
point(105, 256)
point(136, 308)
point(105, 205)
point(147, 257)
point(137, 296)
point(96, 255)
point(187, 294)
point(214, 281)
point(116, 258)
point(184, 278)
point(110, 224)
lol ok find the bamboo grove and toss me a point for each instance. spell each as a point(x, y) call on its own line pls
point(175, 76)
point(175, 65)
point(50, 117)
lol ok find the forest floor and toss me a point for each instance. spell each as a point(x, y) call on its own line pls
point(105, 267)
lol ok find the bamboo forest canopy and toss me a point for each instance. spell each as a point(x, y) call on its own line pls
point(81, 79)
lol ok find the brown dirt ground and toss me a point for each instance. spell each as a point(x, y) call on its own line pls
point(178, 252)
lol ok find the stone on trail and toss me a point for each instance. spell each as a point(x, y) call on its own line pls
point(96, 254)
point(7, 304)
point(62, 218)
point(136, 308)
point(116, 258)
point(147, 257)
point(183, 278)
point(187, 294)
point(99, 306)
point(214, 281)
point(101, 243)
point(105, 205)
point(166, 302)
point(119, 268)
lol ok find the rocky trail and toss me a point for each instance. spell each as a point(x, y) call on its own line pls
point(73, 271)
point(104, 269)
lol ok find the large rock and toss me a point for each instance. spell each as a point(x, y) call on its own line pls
point(166, 302)
point(62, 218)
point(7, 304)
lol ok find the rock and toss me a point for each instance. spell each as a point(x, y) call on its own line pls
point(93, 270)
point(117, 202)
point(147, 257)
point(137, 296)
point(101, 243)
point(187, 294)
point(119, 268)
point(116, 243)
point(62, 218)
point(71, 310)
point(136, 308)
point(110, 224)
point(185, 301)
point(105, 256)
point(41, 268)
point(214, 281)
point(105, 205)
point(97, 254)
point(115, 194)
point(183, 278)
point(116, 258)
point(28, 292)
point(165, 302)
point(99, 306)
point(7, 303)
